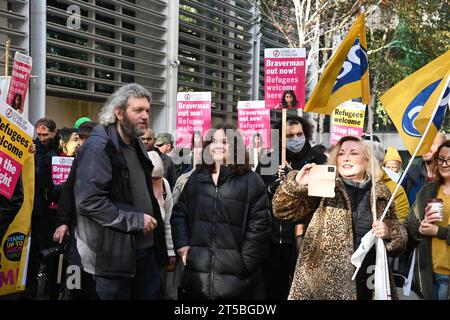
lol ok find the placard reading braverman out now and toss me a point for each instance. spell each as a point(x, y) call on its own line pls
point(16, 135)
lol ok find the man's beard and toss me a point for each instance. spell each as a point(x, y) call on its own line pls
point(130, 129)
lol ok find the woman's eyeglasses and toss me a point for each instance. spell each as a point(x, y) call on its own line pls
point(441, 161)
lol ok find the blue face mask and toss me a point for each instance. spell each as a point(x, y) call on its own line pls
point(295, 144)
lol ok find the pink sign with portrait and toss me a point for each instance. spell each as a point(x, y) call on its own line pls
point(254, 123)
point(284, 78)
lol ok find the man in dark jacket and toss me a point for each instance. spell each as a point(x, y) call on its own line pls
point(171, 172)
point(286, 236)
point(119, 231)
point(42, 219)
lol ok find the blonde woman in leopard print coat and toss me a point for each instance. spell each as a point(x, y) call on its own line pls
point(324, 270)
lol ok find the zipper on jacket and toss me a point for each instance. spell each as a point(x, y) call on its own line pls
point(280, 232)
point(213, 244)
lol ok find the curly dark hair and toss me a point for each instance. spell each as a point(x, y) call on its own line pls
point(294, 98)
point(236, 165)
point(47, 122)
point(291, 120)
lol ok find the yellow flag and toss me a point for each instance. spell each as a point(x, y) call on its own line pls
point(411, 103)
point(347, 74)
point(15, 245)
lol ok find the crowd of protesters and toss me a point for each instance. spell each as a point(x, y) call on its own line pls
point(232, 222)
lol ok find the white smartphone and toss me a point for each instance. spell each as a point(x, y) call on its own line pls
point(322, 181)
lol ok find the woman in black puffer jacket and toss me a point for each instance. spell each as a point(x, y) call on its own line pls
point(221, 223)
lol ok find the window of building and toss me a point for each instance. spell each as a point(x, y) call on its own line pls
point(188, 8)
point(104, 88)
point(128, 39)
point(67, 38)
point(127, 52)
point(104, 60)
point(102, 74)
point(66, 82)
point(128, 26)
point(189, 31)
point(61, 66)
point(102, 18)
point(188, 19)
point(127, 79)
point(128, 12)
point(127, 65)
point(67, 53)
point(104, 47)
point(105, 33)
point(105, 4)
point(189, 43)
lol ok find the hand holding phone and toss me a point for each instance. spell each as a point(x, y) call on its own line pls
point(322, 181)
point(302, 177)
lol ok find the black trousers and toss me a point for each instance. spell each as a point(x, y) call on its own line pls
point(279, 270)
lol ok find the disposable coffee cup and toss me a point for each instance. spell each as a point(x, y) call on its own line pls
point(437, 204)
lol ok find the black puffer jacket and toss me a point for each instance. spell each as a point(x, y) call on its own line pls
point(228, 230)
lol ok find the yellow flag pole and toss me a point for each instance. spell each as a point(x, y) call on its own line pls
point(8, 43)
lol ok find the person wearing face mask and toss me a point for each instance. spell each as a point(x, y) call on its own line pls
point(287, 236)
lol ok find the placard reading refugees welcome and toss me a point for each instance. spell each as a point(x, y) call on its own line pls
point(284, 69)
point(347, 120)
point(254, 118)
point(15, 139)
point(193, 115)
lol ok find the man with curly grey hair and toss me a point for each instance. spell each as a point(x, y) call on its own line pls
point(120, 232)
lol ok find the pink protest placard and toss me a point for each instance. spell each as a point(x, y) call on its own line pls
point(15, 139)
point(61, 169)
point(20, 80)
point(253, 120)
point(347, 120)
point(284, 73)
point(193, 116)
point(9, 174)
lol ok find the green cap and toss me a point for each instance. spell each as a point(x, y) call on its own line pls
point(80, 121)
point(163, 138)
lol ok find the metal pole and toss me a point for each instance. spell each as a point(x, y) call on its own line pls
point(38, 46)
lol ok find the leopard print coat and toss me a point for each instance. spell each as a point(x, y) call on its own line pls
point(324, 270)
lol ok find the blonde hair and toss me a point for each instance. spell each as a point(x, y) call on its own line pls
point(366, 149)
point(158, 167)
